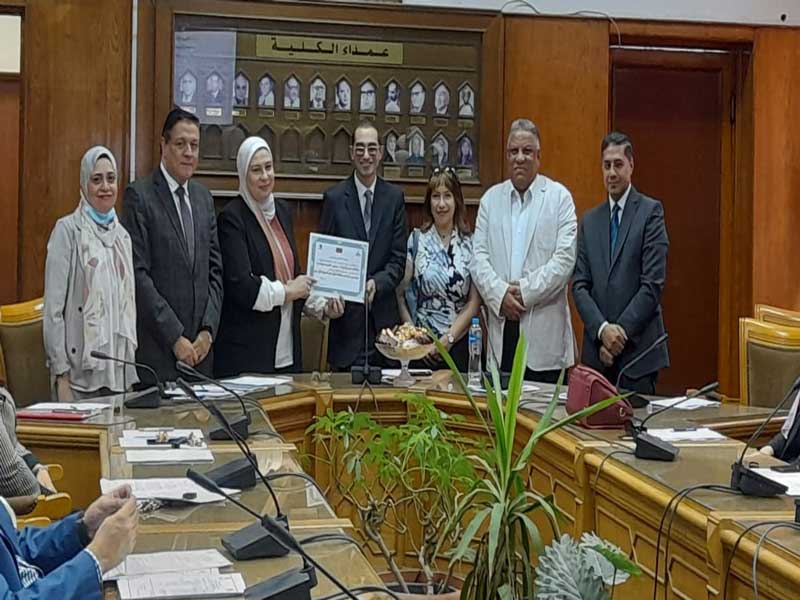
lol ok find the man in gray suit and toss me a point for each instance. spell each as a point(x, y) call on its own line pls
point(619, 276)
point(176, 257)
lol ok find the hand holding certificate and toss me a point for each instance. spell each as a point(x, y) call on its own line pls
point(339, 266)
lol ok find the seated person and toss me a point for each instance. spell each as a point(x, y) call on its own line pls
point(437, 269)
point(786, 443)
point(21, 474)
point(66, 560)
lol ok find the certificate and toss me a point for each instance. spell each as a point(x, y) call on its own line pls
point(339, 265)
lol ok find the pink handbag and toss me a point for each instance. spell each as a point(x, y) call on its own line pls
point(588, 387)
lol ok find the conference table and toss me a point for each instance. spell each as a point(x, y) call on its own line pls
point(596, 483)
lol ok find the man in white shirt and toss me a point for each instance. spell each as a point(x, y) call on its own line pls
point(525, 246)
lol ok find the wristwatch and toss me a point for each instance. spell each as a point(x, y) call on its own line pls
point(450, 339)
point(83, 531)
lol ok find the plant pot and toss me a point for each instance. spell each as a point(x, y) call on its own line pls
point(416, 582)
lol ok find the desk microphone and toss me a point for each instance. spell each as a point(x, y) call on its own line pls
point(650, 447)
point(252, 541)
point(240, 424)
point(360, 374)
point(151, 399)
point(744, 478)
point(285, 538)
point(637, 401)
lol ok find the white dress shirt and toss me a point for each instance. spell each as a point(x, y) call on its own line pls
point(621, 203)
point(270, 295)
point(360, 189)
point(520, 225)
point(173, 187)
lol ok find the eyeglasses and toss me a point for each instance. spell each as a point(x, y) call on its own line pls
point(372, 149)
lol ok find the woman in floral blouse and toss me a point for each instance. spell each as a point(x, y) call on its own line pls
point(437, 290)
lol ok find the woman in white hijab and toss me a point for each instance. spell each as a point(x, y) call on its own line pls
point(89, 293)
point(263, 298)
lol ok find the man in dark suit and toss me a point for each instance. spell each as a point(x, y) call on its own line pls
point(365, 207)
point(619, 276)
point(176, 255)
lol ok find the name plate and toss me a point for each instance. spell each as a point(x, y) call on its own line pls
point(465, 123)
point(266, 112)
point(291, 116)
point(416, 171)
point(440, 122)
point(418, 120)
point(342, 116)
point(317, 116)
point(392, 119)
point(239, 112)
point(392, 172)
point(214, 111)
point(191, 109)
point(366, 117)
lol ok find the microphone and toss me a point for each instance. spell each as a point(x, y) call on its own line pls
point(744, 478)
point(636, 400)
point(150, 399)
point(360, 374)
point(295, 584)
point(240, 424)
point(284, 537)
point(251, 541)
point(650, 447)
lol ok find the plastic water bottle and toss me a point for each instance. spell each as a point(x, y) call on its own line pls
point(475, 374)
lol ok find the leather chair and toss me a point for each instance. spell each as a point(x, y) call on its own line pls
point(23, 357)
point(777, 316)
point(314, 334)
point(769, 361)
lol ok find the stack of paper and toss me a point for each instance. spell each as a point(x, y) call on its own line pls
point(692, 404)
point(165, 488)
point(790, 480)
point(170, 456)
point(242, 385)
point(87, 408)
point(208, 583)
point(699, 434)
point(168, 562)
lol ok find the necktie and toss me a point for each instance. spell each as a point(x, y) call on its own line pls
point(614, 227)
point(367, 210)
point(186, 221)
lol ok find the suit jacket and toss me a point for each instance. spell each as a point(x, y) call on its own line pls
point(624, 288)
point(341, 216)
point(69, 573)
point(174, 296)
point(549, 261)
point(248, 338)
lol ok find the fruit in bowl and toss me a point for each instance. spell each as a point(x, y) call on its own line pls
point(404, 337)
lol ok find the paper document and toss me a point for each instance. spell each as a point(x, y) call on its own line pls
point(151, 433)
point(790, 480)
point(700, 434)
point(339, 266)
point(208, 583)
point(165, 488)
point(255, 381)
point(527, 388)
point(168, 562)
point(169, 456)
point(68, 407)
point(145, 443)
point(692, 404)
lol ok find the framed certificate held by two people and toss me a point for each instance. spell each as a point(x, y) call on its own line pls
point(339, 266)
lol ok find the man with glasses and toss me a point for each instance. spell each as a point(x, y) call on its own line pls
point(524, 253)
point(365, 207)
point(176, 257)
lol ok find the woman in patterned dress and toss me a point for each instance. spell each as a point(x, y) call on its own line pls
point(437, 290)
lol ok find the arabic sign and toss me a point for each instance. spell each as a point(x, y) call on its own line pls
point(294, 48)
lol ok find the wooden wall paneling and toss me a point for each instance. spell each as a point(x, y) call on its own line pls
point(147, 152)
point(776, 155)
point(736, 242)
point(556, 74)
point(10, 143)
point(77, 94)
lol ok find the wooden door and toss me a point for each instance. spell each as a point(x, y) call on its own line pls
point(675, 107)
point(10, 87)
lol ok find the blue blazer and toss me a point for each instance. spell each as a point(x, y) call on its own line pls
point(57, 550)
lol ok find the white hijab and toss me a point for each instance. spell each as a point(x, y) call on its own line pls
point(245, 155)
point(109, 311)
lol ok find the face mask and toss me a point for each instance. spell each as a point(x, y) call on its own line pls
point(100, 218)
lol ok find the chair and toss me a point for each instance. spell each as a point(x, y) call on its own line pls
point(769, 361)
point(24, 363)
point(39, 511)
point(314, 336)
point(777, 316)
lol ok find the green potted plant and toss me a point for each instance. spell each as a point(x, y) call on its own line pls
point(391, 473)
point(498, 508)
